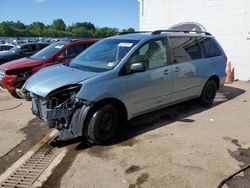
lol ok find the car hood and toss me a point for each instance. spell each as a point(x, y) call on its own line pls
point(54, 77)
point(5, 53)
point(20, 63)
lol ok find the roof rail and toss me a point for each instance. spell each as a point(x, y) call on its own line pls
point(124, 33)
point(183, 31)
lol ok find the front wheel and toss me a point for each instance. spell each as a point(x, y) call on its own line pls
point(15, 95)
point(102, 125)
point(208, 93)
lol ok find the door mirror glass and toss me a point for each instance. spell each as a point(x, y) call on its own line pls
point(137, 67)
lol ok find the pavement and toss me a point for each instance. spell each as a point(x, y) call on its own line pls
point(19, 129)
point(185, 145)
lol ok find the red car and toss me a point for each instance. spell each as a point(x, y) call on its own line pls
point(14, 73)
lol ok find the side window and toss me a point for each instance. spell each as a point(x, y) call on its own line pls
point(210, 47)
point(6, 47)
point(153, 54)
point(90, 44)
point(184, 49)
point(29, 48)
point(41, 46)
point(73, 51)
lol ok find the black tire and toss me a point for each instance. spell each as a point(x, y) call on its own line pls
point(208, 93)
point(15, 95)
point(102, 125)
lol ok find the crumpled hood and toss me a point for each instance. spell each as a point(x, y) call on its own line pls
point(54, 77)
point(20, 63)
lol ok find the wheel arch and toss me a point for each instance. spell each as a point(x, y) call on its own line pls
point(216, 79)
point(118, 104)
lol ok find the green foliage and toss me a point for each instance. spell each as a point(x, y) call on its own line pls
point(57, 29)
point(58, 24)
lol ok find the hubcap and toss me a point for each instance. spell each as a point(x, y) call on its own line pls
point(209, 93)
point(106, 122)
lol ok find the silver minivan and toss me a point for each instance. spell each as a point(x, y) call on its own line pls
point(124, 76)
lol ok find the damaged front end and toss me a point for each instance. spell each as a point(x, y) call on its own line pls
point(62, 110)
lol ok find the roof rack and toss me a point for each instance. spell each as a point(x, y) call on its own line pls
point(124, 33)
point(183, 31)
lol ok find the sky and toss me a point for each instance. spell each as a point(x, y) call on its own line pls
point(121, 14)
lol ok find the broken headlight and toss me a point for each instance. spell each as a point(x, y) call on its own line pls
point(63, 97)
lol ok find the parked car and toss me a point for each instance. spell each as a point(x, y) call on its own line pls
point(20, 51)
point(6, 47)
point(14, 73)
point(124, 76)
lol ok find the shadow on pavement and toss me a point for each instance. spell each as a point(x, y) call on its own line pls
point(165, 116)
point(135, 127)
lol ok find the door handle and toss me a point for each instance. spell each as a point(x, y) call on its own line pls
point(177, 69)
point(166, 71)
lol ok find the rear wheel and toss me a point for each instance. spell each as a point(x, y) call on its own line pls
point(208, 93)
point(102, 125)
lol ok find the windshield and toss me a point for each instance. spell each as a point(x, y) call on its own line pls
point(48, 51)
point(104, 55)
point(14, 49)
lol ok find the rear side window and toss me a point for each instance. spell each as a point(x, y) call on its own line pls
point(211, 48)
point(184, 49)
point(41, 46)
point(6, 47)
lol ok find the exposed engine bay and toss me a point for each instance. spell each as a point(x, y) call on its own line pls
point(62, 110)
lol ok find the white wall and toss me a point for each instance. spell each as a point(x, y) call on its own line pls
point(227, 20)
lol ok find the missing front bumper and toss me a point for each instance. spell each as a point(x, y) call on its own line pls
point(69, 122)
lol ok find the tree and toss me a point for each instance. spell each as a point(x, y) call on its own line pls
point(6, 29)
point(19, 25)
point(58, 24)
point(129, 30)
point(106, 32)
point(56, 29)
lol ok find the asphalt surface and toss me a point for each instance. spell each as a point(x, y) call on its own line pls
point(185, 145)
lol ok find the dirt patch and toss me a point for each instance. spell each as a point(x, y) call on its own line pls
point(233, 141)
point(34, 131)
point(187, 120)
point(140, 180)
point(100, 152)
point(129, 142)
point(243, 179)
point(132, 169)
point(236, 142)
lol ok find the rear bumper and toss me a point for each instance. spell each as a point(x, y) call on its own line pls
point(222, 82)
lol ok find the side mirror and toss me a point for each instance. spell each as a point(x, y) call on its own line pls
point(137, 67)
point(61, 58)
point(20, 51)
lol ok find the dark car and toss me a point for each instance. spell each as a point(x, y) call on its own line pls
point(14, 73)
point(20, 51)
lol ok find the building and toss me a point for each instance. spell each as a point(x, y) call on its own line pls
point(228, 21)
